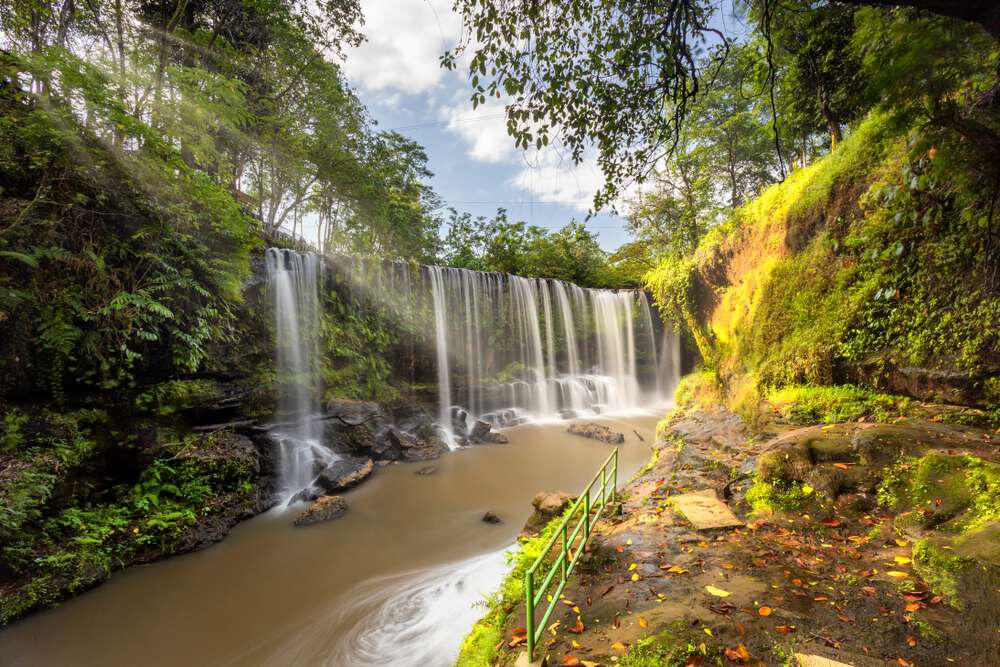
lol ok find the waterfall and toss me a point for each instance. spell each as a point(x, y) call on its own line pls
point(509, 348)
point(441, 345)
point(293, 280)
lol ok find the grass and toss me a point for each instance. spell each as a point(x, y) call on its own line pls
point(482, 646)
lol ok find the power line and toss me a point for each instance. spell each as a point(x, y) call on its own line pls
point(429, 123)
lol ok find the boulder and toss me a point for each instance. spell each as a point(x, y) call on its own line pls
point(353, 413)
point(343, 474)
point(409, 447)
point(597, 432)
point(479, 430)
point(325, 508)
point(495, 438)
point(548, 505)
point(490, 517)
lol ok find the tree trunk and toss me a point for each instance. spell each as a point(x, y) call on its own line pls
point(832, 125)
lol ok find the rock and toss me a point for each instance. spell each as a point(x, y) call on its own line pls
point(490, 517)
point(343, 474)
point(548, 505)
point(495, 438)
point(326, 508)
point(597, 432)
point(353, 413)
point(427, 470)
point(479, 430)
point(308, 494)
point(412, 448)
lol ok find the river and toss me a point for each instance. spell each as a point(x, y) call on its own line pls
point(394, 582)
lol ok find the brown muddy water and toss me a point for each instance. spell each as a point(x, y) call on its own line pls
point(397, 581)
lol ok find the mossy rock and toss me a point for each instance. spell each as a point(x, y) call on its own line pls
point(964, 570)
point(789, 463)
point(942, 492)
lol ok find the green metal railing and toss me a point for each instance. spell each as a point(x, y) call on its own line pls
point(589, 502)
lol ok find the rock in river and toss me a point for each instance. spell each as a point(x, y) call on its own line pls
point(597, 432)
point(343, 474)
point(548, 505)
point(491, 517)
point(325, 508)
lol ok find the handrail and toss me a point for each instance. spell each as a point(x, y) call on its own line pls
point(562, 564)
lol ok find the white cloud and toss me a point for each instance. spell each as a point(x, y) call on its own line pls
point(405, 39)
point(483, 130)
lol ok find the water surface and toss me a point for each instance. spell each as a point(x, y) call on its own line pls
point(394, 582)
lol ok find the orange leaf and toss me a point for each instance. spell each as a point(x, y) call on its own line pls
point(785, 629)
point(578, 628)
point(765, 611)
point(643, 622)
point(570, 661)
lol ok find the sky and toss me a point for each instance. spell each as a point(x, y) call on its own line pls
point(476, 166)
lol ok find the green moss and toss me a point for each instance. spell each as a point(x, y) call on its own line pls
point(939, 569)
point(481, 647)
point(778, 495)
point(950, 493)
point(805, 404)
point(671, 647)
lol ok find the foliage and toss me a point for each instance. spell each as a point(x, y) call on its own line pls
point(77, 546)
point(803, 404)
point(571, 253)
point(589, 74)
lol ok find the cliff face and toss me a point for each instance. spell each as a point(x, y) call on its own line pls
point(875, 265)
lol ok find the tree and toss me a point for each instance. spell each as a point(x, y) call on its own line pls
point(618, 76)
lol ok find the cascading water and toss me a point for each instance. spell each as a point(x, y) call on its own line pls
point(509, 347)
point(293, 279)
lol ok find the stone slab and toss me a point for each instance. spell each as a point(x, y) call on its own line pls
point(705, 510)
point(817, 661)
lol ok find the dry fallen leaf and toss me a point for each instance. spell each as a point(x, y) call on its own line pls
point(717, 592)
point(618, 646)
point(570, 661)
point(643, 622)
point(578, 628)
point(897, 574)
point(764, 611)
point(635, 577)
point(902, 560)
point(785, 629)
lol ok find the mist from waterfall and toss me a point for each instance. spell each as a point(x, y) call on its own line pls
point(293, 281)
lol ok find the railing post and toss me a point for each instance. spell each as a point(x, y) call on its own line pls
point(604, 486)
point(614, 478)
point(529, 612)
point(586, 516)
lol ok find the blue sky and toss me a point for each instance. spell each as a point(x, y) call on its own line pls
point(476, 166)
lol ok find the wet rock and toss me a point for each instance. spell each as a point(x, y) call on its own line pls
point(409, 447)
point(490, 517)
point(427, 470)
point(597, 432)
point(353, 413)
point(326, 508)
point(548, 505)
point(493, 438)
point(343, 474)
point(479, 430)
